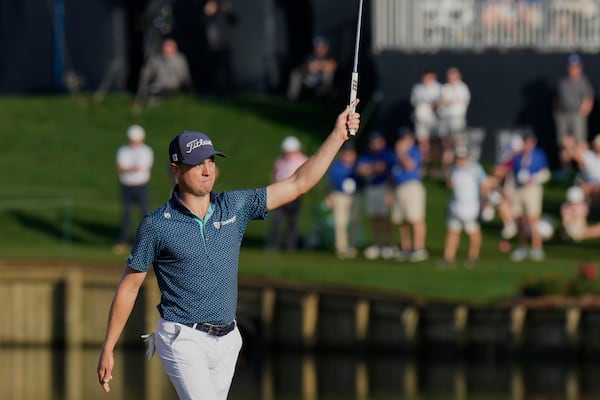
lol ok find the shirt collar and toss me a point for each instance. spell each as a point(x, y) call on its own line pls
point(177, 204)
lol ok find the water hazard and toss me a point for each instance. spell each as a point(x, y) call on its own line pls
point(42, 373)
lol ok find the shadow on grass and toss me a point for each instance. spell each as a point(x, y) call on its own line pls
point(310, 115)
point(97, 229)
point(78, 230)
point(46, 225)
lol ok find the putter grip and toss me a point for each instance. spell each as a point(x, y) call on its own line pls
point(353, 93)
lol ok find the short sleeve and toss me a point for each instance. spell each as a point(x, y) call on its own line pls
point(145, 247)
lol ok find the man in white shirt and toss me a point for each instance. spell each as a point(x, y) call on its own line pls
point(452, 110)
point(424, 98)
point(467, 181)
point(134, 164)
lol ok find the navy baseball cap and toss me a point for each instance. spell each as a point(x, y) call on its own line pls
point(319, 40)
point(376, 135)
point(574, 59)
point(404, 132)
point(191, 148)
point(528, 134)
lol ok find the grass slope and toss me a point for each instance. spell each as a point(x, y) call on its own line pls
point(59, 193)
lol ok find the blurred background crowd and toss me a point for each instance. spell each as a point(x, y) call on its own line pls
point(495, 98)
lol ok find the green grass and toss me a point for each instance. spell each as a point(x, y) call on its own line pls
point(59, 193)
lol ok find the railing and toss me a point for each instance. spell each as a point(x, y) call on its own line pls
point(67, 306)
point(477, 25)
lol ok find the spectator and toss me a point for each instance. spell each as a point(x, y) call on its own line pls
point(219, 19)
point(164, 75)
point(531, 172)
point(408, 209)
point(588, 162)
point(134, 164)
point(531, 15)
point(288, 215)
point(452, 109)
point(343, 201)
point(424, 98)
point(570, 20)
point(316, 74)
point(574, 102)
point(467, 181)
point(499, 19)
point(373, 168)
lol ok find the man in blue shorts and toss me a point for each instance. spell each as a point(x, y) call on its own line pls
point(193, 242)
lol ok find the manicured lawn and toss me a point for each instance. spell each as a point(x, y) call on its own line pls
point(59, 193)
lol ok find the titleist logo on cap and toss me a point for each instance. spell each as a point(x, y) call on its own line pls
point(194, 144)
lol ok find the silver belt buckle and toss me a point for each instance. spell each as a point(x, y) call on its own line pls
point(214, 330)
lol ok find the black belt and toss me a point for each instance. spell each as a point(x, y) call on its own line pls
point(213, 330)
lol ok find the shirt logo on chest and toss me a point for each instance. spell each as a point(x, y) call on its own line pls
point(219, 224)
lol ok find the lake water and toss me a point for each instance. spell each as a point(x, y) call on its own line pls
point(40, 373)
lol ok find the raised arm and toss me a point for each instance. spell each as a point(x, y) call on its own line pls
point(120, 310)
point(311, 172)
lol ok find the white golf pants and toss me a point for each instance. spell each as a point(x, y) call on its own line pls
point(200, 366)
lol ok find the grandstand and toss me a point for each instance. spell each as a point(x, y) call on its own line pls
point(477, 25)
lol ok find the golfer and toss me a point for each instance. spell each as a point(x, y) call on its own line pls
point(193, 242)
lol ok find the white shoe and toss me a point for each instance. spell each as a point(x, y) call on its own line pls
point(347, 253)
point(519, 254)
point(372, 252)
point(389, 252)
point(419, 255)
point(537, 255)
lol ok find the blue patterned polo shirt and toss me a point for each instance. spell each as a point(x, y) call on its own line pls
point(196, 260)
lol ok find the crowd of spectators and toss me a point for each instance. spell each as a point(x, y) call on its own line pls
point(386, 178)
point(512, 17)
point(506, 23)
point(440, 115)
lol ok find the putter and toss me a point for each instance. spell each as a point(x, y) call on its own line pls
point(354, 77)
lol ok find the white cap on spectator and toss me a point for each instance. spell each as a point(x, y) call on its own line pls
point(136, 133)
point(575, 194)
point(461, 152)
point(290, 144)
point(516, 143)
